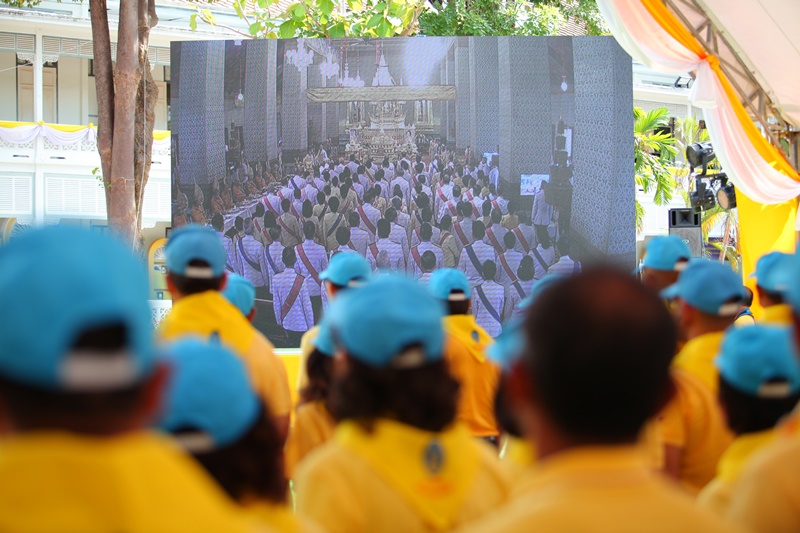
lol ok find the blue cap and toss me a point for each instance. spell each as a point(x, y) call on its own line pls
point(390, 322)
point(324, 339)
point(209, 392)
point(446, 280)
point(760, 361)
point(709, 286)
point(191, 243)
point(56, 283)
point(537, 289)
point(347, 269)
point(508, 346)
point(241, 293)
point(667, 252)
point(774, 272)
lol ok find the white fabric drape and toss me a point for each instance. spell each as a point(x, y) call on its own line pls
point(646, 41)
point(28, 132)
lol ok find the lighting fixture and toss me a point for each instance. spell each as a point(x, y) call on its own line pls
point(700, 155)
point(564, 85)
point(301, 57)
point(702, 198)
point(726, 194)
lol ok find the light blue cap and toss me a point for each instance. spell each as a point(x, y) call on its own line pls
point(240, 292)
point(709, 286)
point(347, 269)
point(508, 346)
point(446, 280)
point(209, 392)
point(667, 252)
point(774, 272)
point(538, 288)
point(195, 242)
point(55, 284)
point(760, 361)
point(324, 339)
point(390, 322)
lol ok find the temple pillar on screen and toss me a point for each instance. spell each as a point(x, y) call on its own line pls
point(259, 95)
point(525, 127)
point(484, 93)
point(201, 153)
point(294, 115)
point(603, 219)
point(450, 129)
point(316, 118)
point(271, 104)
point(462, 82)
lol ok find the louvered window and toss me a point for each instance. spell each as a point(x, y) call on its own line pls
point(16, 194)
point(74, 197)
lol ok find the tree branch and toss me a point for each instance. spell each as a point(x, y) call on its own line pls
point(104, 85)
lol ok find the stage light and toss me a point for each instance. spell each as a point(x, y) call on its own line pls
point(700, 155)
point(726, 194)
point(564, 85)
point(702, 198)
point(683, 82)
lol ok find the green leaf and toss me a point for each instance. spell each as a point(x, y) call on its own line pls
point(384, 29)
point(193, 22)
point(326, 6)
point(255, 28)
point(355, 5)
point(337, 30)
point(287, 29)
point(262, 4)
point(380, 6)
point(238, 8)
point(299, 12)
point(374, 20)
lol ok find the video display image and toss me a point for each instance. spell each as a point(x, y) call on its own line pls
point(505, 157)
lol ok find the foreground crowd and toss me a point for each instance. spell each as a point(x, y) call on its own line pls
point(608, 404)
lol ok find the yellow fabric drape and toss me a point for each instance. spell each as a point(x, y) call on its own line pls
point(158, 135)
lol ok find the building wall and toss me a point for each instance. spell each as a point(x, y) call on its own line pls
point(70, 108)
point(8, 86)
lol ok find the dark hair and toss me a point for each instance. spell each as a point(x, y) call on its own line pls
point(526, 271)
point(269, 219)
point(489, 269)
point(543, 237)
point(309, 229)
point(342, 235)
point(746, 413)
point(259, 212)
point(446, 222)
point(353, 219)
point(425, 231)
point(390, 214)
point(602, 385)
point(320, 198)
point(509, 239)
point(217, 222)
point(486, 208)
point(238, 223)
point(384, 228)
point(424, 397)
point(275, 232)
point(497, 216)
point(428, 260)
point(319, 368)
point(426, 214)
point(478, 230)
point(502, 411)
point(333, 203)
point(308, 210)
point(457, 307)
point(187, 286)
point(289, 257)
point(252, 466)
point(33, 408)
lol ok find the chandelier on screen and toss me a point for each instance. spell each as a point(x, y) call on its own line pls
point(328, 68)
point(301, 57)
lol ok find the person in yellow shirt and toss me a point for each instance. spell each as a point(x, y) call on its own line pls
point(228, 431)
point(465, 352)
point(773, 278)
point(349, 270)
point(759, 384)
point(195, 277)
point(79, 381)
point(585, 398)
point(398, 461)
point(709, 295)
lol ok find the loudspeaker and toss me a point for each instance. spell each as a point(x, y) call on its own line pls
point(685, 223)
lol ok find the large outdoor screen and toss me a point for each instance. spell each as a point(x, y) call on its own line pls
point(506, 157)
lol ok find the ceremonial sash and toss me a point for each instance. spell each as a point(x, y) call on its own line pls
point(269, 206)
point(461, 236)
point(324, 210)
point(255, 266)
point(540, 259)
point(280, 194)
point(485, 301)
point(493, 239)
point(263, 231)
point(374, 249)
point(368, 173)
point(474, 259)
point(294, 211)
point(452, 208)
point(442, 236)
point(475, 212)
point(469, 195)
point(417, 258)
point(288, 303)
point(294, 183)
point(351, 245)
point(496, 205)
point(512, 276)
point(366, 219)
point(270, 260)
point(416, 232)
point(522, 240)
point(442, 195)
point(288, 230)
point(334, 226)
point(304, 258)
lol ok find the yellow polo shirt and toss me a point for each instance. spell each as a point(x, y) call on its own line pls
point(280, 518)
point(767, 497)
point(602, 489)
point(777, 314)
point(209, 314)
point(697, 357)
point(692, 421)
point(137, 483)
point(399, 478)
point(306, 347)
point(313, 427)
point(465, 351)
point(717, 494)
point(517, 457)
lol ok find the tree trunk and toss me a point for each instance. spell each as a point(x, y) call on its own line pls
point(146, 99)
point(104, 83)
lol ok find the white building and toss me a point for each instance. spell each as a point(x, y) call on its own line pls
point(46, 78)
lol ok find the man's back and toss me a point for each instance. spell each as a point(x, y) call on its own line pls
point(137, 482)
point(598, 489)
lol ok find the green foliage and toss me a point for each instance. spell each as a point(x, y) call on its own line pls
point(653, 154)
point(321, 18)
